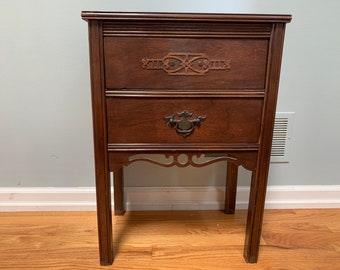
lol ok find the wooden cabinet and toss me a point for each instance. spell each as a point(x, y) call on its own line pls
point(191, 84)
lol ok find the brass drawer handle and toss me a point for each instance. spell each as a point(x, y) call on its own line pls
point(186, 124)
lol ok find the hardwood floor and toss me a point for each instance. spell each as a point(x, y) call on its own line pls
point(185, 240)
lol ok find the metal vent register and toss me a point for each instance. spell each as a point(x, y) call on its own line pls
point(282, 136)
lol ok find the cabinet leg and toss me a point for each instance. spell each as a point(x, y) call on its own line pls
point(104, 219)
point(118, 183)
point(255, 218)
point(231, 188)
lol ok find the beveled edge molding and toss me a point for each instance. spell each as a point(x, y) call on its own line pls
point(178, 147)
point(256, 93)
point(204, 17)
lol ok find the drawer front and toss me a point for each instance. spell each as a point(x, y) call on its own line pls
point(185, 63)
point(213, 120)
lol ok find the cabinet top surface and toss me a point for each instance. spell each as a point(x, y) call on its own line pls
point(163, 16)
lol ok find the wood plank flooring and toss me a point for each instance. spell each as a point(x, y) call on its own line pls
point(183, 240)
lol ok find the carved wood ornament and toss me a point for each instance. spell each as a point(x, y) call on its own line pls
point(245, 159)
point(187, 64)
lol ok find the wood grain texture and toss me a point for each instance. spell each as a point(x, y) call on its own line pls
point(125, 70)
point(145, 124)
point(191, 240)
point(103, 194)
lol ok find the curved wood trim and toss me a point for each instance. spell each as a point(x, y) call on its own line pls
point(248, 160)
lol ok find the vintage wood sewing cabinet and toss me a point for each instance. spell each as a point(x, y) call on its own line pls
point(177, 84)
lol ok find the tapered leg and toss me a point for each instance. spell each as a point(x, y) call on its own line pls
point(231, 188)
point(255, 217)
point(118, 183)
point(104, 217)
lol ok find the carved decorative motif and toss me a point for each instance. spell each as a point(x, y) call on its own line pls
point(186, 124)
point(187, 64)
point(248, 160)
point(181, 160)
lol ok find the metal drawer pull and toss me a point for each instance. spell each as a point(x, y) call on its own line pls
point(186, 124)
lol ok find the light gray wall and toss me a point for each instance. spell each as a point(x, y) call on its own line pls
point(45, 113)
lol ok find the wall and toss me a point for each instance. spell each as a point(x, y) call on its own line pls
point(45, 113)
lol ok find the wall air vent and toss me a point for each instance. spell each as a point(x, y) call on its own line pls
point(282, 136)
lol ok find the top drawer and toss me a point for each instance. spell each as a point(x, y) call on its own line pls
point(185, 63)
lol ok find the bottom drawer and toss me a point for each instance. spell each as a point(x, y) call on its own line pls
point(183, 120)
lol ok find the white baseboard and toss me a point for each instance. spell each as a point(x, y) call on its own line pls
point(47, 199)
point(165, 198)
